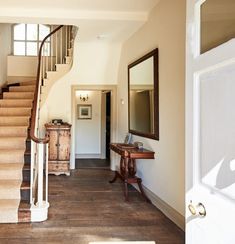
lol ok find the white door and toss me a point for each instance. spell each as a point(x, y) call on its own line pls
point(210, 130)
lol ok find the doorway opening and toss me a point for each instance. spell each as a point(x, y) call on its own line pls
point(93, 125)
point(107, 123)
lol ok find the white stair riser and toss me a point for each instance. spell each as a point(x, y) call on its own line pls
point(70, 52)
point(62, 67)
point(68, 60)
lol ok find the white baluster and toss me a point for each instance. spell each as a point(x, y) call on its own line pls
point(40, 174)
point(61, 45)
point(47, 56)
point(56, 46)
point(66, 40)
point(46, 171)
point(32, 163)
point(51, 49)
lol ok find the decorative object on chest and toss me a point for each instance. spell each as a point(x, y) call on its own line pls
point(59, 148)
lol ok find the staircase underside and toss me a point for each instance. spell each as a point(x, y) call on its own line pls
point(15, 113)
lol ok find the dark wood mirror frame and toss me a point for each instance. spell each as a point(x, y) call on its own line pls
point(154, 135)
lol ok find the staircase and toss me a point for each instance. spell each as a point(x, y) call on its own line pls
point(60, 61)
point(15, 113)
point(23, 153)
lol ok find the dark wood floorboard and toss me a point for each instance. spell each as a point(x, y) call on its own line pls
point(92, 163)
point(85, 207)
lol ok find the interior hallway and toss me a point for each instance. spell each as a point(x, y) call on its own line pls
point(85, 207)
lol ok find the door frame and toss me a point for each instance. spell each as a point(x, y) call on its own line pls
point(113, 129)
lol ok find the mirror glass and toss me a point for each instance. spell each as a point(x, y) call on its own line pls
point(143, 96)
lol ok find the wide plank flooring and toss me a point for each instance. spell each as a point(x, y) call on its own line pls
point(85, 207)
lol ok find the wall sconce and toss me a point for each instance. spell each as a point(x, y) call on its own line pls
point(84, 97)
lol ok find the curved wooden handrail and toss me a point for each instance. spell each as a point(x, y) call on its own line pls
point(35, 102)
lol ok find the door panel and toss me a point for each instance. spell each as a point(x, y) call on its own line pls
point(64, 145)
point(217, 130)
point(53, 150)
point(210, 136)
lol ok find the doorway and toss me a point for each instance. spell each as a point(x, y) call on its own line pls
point(91, 137)
point(107, 124)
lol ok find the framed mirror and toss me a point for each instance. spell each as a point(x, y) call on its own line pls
point(143, 96)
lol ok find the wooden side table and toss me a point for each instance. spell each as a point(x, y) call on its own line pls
point(129, 154)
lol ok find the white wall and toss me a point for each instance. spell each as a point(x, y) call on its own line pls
point(165, 29)
point(25, 66)
point(88, 132)
point(5, 43)
point(94, 63)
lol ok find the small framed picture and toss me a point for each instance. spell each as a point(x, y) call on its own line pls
point(84, 111)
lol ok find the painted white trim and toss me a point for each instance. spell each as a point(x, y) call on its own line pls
point(165, 208)
point(80, 156)
point(39, 214)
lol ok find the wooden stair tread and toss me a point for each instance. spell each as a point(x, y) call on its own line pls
point(24, 206)
point(26, 167)
point(25, 185)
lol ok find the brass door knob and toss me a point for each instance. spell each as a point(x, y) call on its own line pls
point(197, 210)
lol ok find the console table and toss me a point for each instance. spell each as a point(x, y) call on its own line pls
point(129, 154)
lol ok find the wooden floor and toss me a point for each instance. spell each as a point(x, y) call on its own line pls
point(85, 207)
point(92, 163)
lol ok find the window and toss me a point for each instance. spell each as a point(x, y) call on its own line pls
point(27, 39)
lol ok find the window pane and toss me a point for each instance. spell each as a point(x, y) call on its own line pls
point(31, 49)
point(19, 32)
point(46, 50)
point(32, 32)
point(217, 23)
point(43, 32)
point(19, 48)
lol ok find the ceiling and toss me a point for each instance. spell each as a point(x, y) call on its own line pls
point(98, 20)
point(91, 5)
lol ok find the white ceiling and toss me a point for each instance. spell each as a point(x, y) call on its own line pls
point(115, 20)
point(91, 5)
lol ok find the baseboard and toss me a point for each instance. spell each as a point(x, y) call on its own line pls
point(166, 209)
point(80, 156)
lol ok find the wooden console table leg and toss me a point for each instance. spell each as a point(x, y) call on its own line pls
point(139, 181)
point(115, 178)
point(126, 191)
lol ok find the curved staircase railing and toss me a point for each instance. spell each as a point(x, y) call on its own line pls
point(53, 50)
